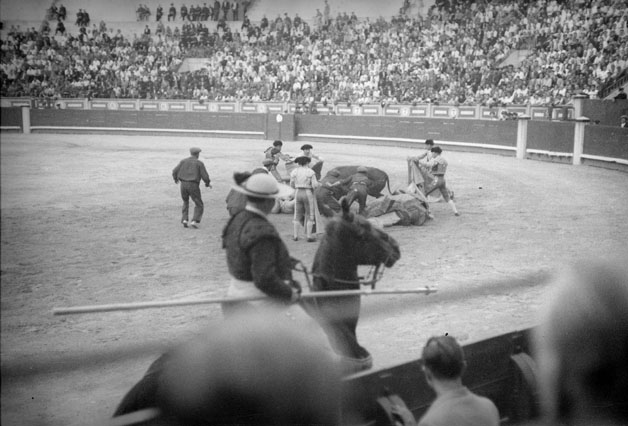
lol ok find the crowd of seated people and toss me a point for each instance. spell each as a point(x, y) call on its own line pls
point(452, 56)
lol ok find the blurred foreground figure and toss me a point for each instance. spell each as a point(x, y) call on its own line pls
point(582, 346)
point(254, 368)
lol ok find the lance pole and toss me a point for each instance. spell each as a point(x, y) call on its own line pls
point(177, 303)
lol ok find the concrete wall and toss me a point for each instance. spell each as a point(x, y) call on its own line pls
point(607, 112)
point(553, 141)
point(406, 129)
point(556, 137)
point(11, 118)
point(606, 141)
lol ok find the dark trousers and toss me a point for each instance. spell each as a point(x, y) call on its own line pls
point(191, 190)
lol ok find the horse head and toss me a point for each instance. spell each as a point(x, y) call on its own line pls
point(365, 243)
point(350, 240)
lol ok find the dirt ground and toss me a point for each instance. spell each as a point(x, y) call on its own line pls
point(93, 219)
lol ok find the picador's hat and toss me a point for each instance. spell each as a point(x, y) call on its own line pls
point(263, 186)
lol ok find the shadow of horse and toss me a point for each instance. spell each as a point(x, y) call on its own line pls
point(349, 240)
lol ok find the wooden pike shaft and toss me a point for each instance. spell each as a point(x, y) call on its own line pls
point(175, 303)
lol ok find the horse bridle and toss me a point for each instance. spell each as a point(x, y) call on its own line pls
point(374, 274)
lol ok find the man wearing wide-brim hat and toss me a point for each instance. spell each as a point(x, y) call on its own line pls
point(189, 172)
point(258, 260)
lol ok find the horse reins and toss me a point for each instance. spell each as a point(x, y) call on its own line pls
point(374, 274)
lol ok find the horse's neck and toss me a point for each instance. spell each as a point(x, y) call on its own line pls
point(334, 263)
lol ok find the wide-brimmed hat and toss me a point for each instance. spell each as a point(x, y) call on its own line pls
point(302, 160)
point(263, 186)
point(259, 170)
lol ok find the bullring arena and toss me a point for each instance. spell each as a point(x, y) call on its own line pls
point(89, 219)
point(90, 216)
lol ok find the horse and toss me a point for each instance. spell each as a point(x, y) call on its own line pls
point(349, 240)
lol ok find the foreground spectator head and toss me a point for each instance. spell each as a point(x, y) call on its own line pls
point(444, 364)
point(582, 346)
point(254, 368)
point(443, 358)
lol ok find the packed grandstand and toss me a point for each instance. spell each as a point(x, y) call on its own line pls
point(462, 52)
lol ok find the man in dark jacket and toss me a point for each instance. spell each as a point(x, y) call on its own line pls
point(258, 259)
point(189, 172)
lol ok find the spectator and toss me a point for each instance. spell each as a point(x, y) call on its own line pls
point(184, 13)
point(61, 13)
point(60, 27)
point(624, 121)
point(444, 365)
point(621, 94)
point(582, 345)
point(172, 12)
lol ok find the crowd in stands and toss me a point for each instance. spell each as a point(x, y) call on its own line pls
point(452, 55)
point(229, 11)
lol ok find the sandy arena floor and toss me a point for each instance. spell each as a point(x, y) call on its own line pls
point(93, 219)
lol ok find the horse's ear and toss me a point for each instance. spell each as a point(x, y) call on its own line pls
point(346, 212)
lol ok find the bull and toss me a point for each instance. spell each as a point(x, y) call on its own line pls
point(327, 196)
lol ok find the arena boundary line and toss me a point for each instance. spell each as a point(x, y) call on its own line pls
point(607, 159)
point(418, 141)
point(587, 156)
point(550, 153)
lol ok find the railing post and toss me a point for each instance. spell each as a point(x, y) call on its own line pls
point(578, 139)
point(522, 136)
point(26, 119)
point(577, 104)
